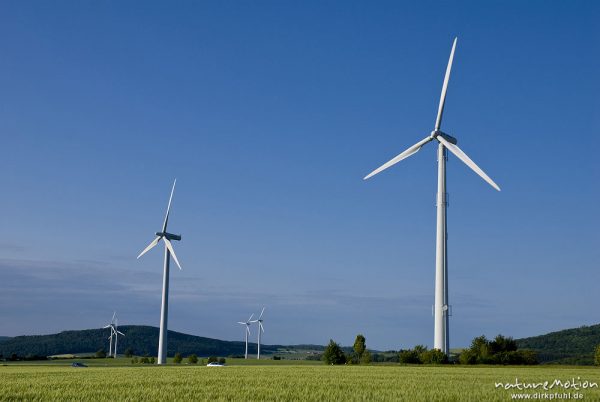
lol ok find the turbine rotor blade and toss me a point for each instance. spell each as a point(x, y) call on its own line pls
point(164, 229)
point(242, 323)
point(261, 326)
point(251, 315)
point(170, 247)
point(438, 121)
point(261, 313)
point(107, 326)
point(410, 151)
point(119, 332)
point(248, 329)
point(150, 246)
point(467, 161)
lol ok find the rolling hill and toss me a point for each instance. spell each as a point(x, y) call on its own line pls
point(142, 339)
point(569, 346)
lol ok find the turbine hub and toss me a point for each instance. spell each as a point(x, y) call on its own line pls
point(447, 137)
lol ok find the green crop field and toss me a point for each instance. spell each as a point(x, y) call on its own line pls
point(284, 382)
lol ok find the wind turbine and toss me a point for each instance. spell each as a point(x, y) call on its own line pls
point(260, 329)
point(247, 332)
point(445, 141)
point(113, 332)
point(169, 252)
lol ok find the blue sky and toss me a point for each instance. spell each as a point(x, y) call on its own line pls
point(269, 114)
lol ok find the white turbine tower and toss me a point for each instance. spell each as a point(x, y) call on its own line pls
point(260, 329)
point(117, 333)
point(164, 310)
point(246, 332)
point(445, 141)
point(114, 332)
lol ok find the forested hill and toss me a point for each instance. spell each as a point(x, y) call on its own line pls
point(569, 346)
point(142, 339)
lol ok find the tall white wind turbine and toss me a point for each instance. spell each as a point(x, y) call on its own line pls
point(246, 332)
point(260, 329)
point(169, 252)
point(445, 141)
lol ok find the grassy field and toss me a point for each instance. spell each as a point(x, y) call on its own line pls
point(281, 382)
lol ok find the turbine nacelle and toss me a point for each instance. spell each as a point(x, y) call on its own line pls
point(168, 236)
point(447, 137)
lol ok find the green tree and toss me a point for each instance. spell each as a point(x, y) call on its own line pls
point(467, 357)
point(527, 357)
point(221, 360)
point(502, 350)
point(177, 359)
point(101, 353)
point(366, 357)
point(433, 356)
point(409, 356)
point(213, 359)
point(333, 354)
point(193, 359)
point(480, 347)
point(422, 353)
point(128, 352)
point(420, 349)
point(597, 357)
point(502, 344)
point(359, 346)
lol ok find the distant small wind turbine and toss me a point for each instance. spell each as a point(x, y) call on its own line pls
point(111, 332)
point(114, 332)
point(260, 329)
point(445, 141)
point(164, 310)
point(247, 332)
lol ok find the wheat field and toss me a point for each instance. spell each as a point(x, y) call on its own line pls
point(285, 383)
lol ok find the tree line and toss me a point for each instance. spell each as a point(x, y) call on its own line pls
point(501, 350)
